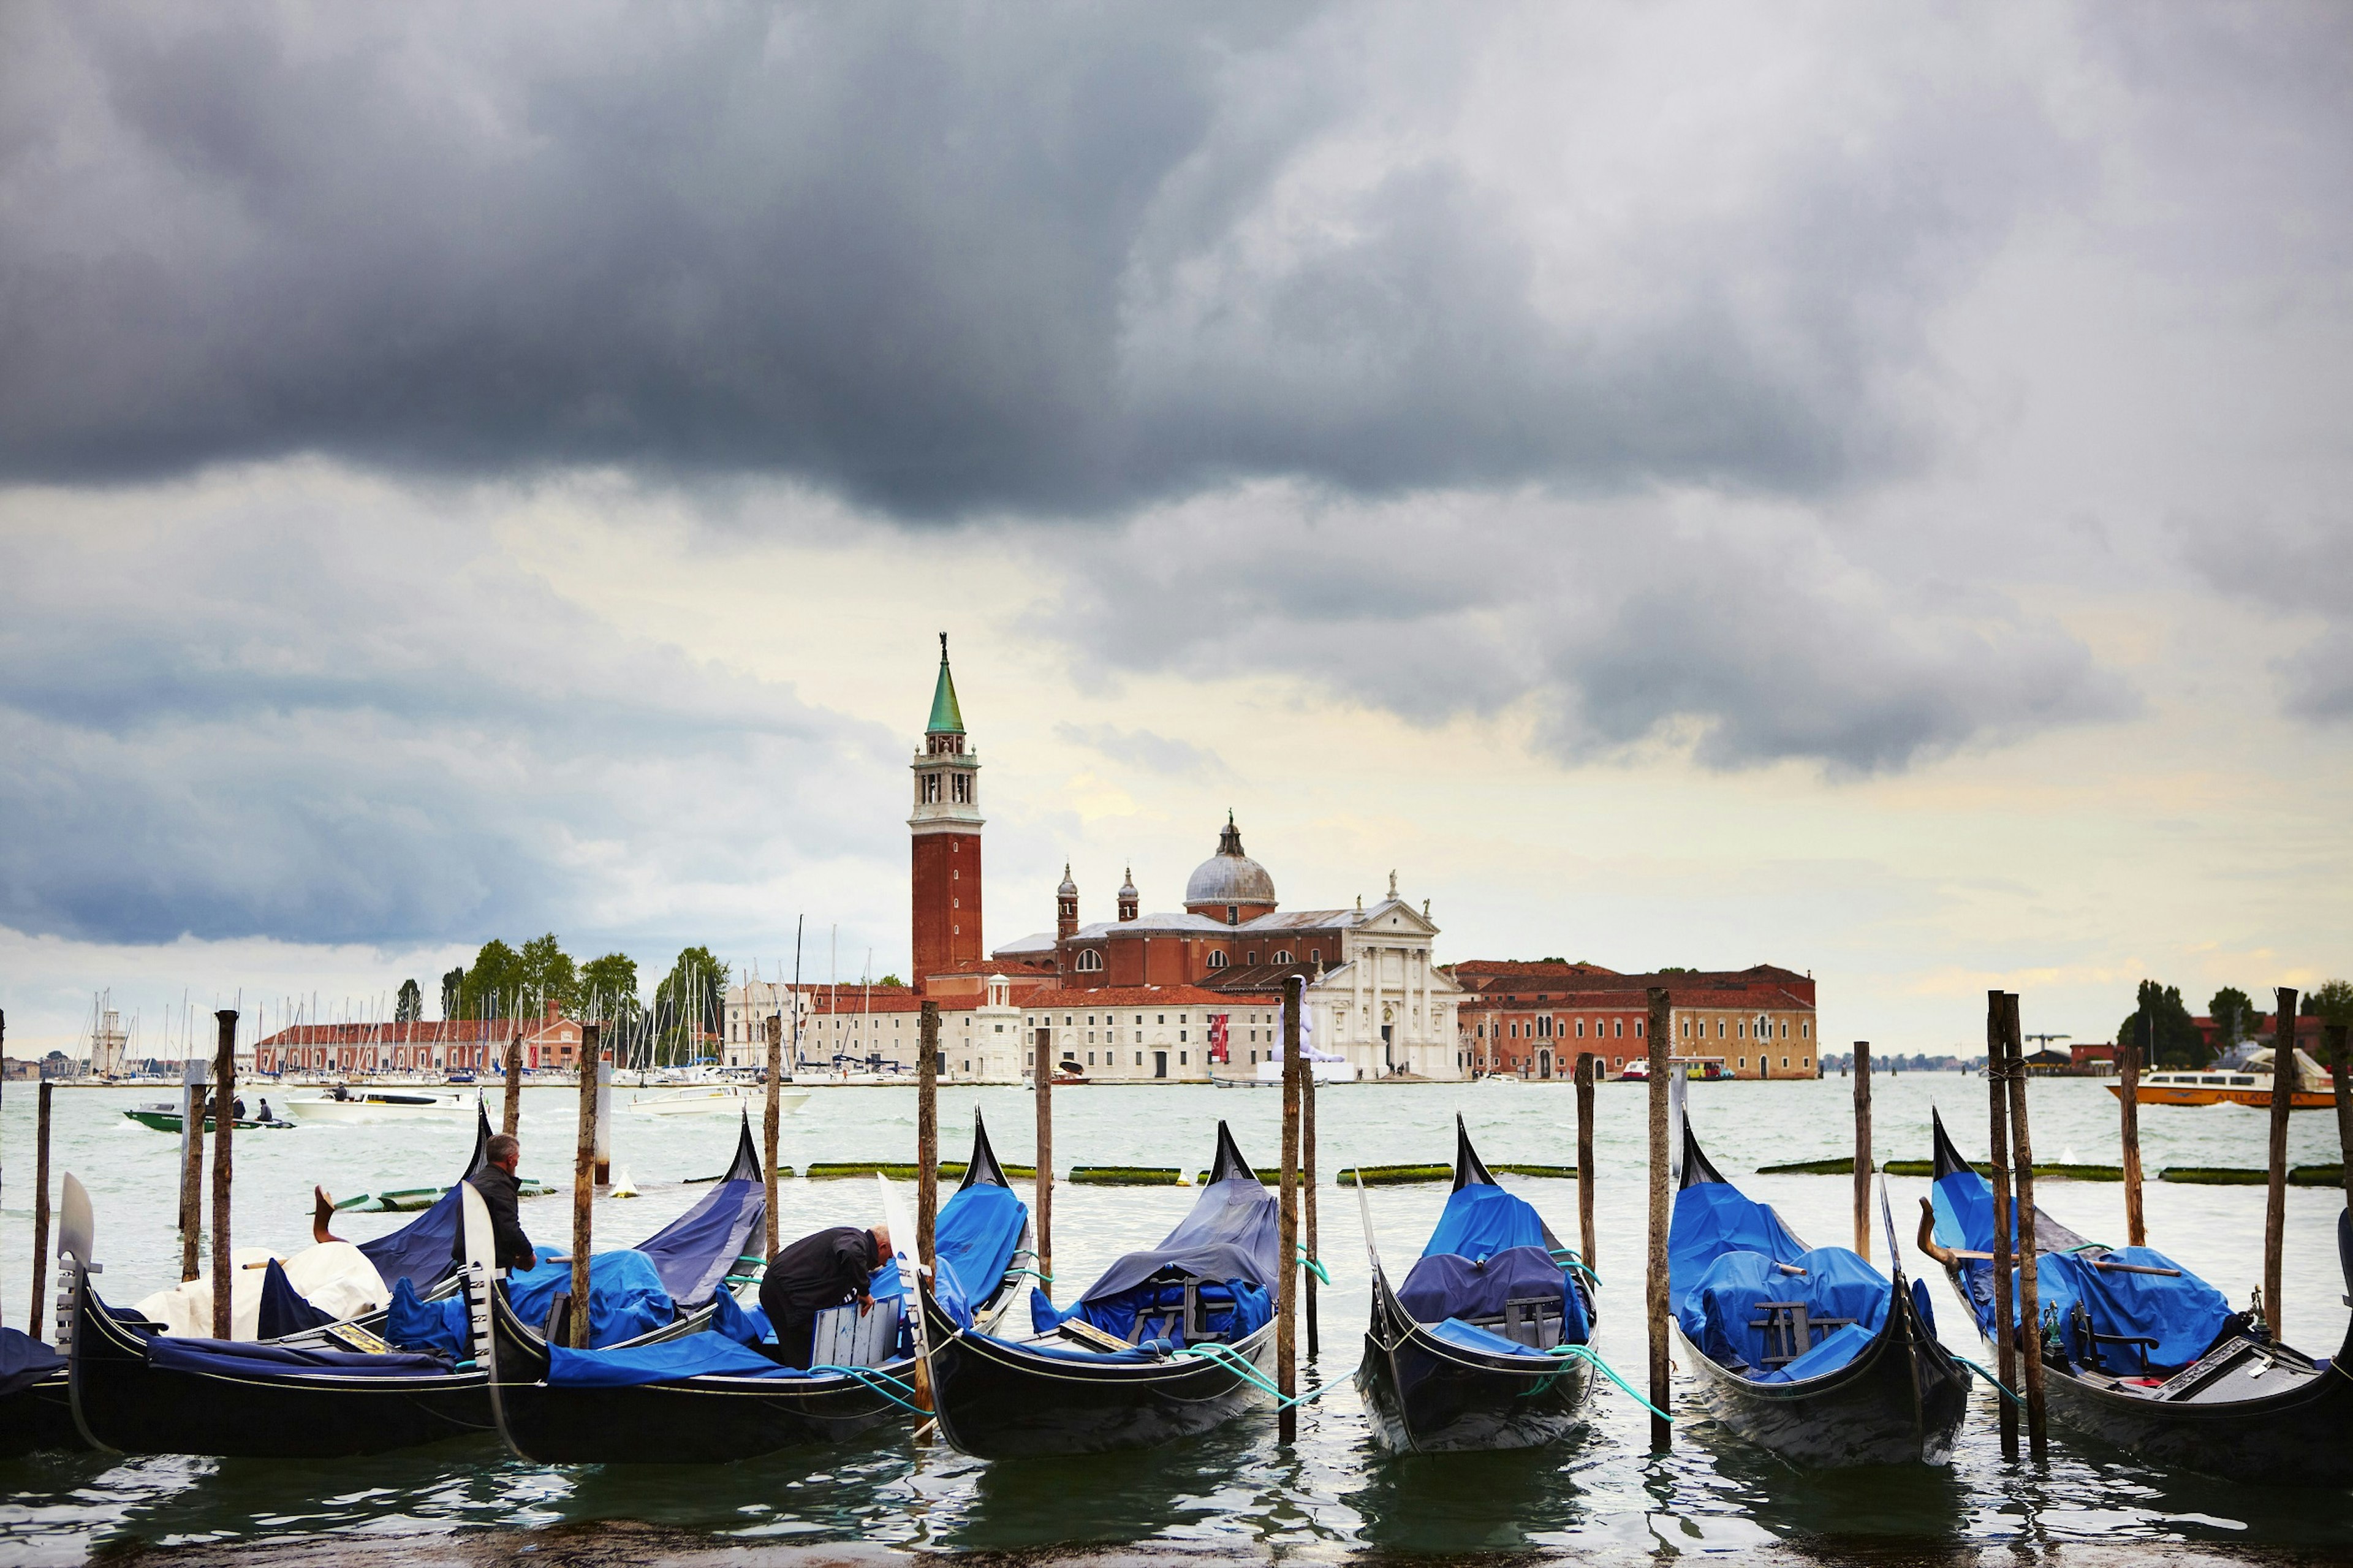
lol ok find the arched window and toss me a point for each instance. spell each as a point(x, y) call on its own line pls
point(1217, 961)
point(1089, 959)
point(1282, 955)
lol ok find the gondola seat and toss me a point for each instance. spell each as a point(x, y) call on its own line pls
point(1751, 1313)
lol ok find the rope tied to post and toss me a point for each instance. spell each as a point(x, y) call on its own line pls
point(1313, 1266)
point(1241, 1367)
point(896, 1389)
point(1588, 1355)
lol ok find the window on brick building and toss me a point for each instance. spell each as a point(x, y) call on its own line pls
point(1282, 955)
point(1217, 961)
point(1090, 960)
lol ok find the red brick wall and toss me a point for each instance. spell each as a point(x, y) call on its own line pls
point(947, 896)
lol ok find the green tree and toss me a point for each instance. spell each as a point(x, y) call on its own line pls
point(688, 1002)
point(493, 987)
point(609, 988)
point(890, 980)
point(2332, 1000)
point(548, 974)
point(2177, 1044)
point(2234, 1015)
point(453, 991)
point(409, 1007)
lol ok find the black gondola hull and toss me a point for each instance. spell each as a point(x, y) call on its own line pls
point(124, 1403)
point(1900, 1402)
point(691, 1421)
point(1429, 1396)
point(38, 1416)
point(997, 1401)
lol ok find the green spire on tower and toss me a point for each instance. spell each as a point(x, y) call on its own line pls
point(947, 718)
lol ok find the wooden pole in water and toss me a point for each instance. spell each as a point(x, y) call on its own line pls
point(927, 1132)
point(1585, 1069)
point(769, 1118)
point(510, 1113)
point(1997, 1160)
point(1307, 1201)
point(584, 1186)
point(1862, 1150)
point(2283, 1083)
point(1042, 1070)
point(1655, 1296)
point(1286, 1307)
point(192, 1101)
point(2340, 1075)
point(2030, 1293)
point(604, 1115)
point(224, 1122)
point(40, 1205)
point(2129, 1060)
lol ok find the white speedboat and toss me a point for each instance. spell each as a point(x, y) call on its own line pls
point(345, 1104)
point(716, 1100)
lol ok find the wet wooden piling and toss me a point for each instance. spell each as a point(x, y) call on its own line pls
point(1307, 1205)
point(1286, 1305)
point(192, 1100)
point(2284, 1087)
point(584, 1187)
point(1998, 1173)
point(2128, 1063)
point(1655, 1303)
point(2030, 1290)
point(1042, 1207)
point(1588, 1068)
point(511, 1110)
point(1862, 1151)
point(927, 1134)
point(770, 1117)
point(224, 1125)
point(2340, 1074)
point(40, 1203)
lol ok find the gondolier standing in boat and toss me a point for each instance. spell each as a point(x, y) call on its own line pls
point(500, 1187)
point(827, 1269)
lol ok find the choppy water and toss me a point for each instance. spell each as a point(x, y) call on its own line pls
point(1235, 1487)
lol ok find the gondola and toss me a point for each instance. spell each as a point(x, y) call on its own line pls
point(2138, 1350)
point(710, 1397)
point(340, 1388)
point(1750, 1299)
point(1155, 1350)
point(1463, 1354)
point(35, 1411)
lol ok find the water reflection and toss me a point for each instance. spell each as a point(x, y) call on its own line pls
point(1442, 1502)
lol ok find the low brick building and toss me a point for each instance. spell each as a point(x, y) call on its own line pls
point(468, 1045)
point(1533, 1018)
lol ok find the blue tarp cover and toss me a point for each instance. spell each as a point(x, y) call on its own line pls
point(1471, 1337)
point(978, 1231)
point(23, 1359)
point(693, 1254)
point(1447, 1285)
point(1065, 1351)
point(691, 1355)
point(238, 1358)
point(625, 1299)
point(421, 1251)
point(1721, 1305)
point(284, 1309)
point(1712, 1218)
point(1479, 1220)
point(1230, 1237)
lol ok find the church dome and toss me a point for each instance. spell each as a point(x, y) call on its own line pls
point(1228, 877)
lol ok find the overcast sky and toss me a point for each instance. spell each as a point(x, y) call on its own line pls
point(1856, 488)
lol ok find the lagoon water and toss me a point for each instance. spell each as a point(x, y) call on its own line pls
point(1335, 1490)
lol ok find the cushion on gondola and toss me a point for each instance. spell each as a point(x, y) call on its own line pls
point(690, 1355)
point(427, 1325)
point(1471, 1337)
point(284, 1309)
point(1447, 1285)
point(1712, 1218)
point(1722, 1313)
point(236, 1358)
point(1833, 1352)
point(1065, 1351)
point(1480, 1221)
point(745, 1325)
point(23, 1359)
point(1230, 1311)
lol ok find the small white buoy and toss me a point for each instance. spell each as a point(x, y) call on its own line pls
point(622, 1186)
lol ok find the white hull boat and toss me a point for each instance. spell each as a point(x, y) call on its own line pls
point(714, 1099)
point(381, 1105)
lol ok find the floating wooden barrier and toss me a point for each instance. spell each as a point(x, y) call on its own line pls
point(834, 1170)
point(1126, 1176)
point(2251, 1175)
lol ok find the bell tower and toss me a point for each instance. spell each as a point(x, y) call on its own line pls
point(947, 831)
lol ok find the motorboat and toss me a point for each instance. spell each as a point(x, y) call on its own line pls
point(165, 1118)
point(343, 1103)
point(714, 1100)
point(2248, 1083)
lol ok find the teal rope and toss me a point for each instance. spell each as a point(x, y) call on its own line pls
point(1583, 1353)
point(1033, 1274)
point(1568, 1254)
point(1314, 1266)
point(874, 1379)
point(2005, 1391)
point(1241, 1367)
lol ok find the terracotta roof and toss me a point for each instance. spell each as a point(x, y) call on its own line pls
point(1635, 1000)
point(1145, 996)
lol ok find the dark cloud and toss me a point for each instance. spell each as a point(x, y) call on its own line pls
point(321, 718)
point(950, 260)
point(1745, 639)
point(2304, 571)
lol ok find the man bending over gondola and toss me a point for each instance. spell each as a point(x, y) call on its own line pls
point(510, 1248)
point(827, 1269)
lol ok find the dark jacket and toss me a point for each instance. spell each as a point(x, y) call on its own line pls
point(509, 1247)
point(818, 1271)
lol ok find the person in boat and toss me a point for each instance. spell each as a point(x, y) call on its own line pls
point(265, 1108)
point(500, 1187)
point(342, 1093)
point(236, 1108)
point(828, 1268)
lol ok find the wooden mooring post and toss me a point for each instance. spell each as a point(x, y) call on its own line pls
point(2284, 1087)
point(1286, 1305)
point(1307, 1203)
point(1655, 1303)
point(2128, 1063)
point(1862, 1151)
point(2340, 1074)
point(224, 1125)
point(1587, 1067)
point(1998, 1163)
point(192, 1100)
point(770, 1119)
point(510, 1109)
point(41, 1203)
point(2029, 1292)
point(584, 1187)
point(927, 1136)
point(1043, 1208)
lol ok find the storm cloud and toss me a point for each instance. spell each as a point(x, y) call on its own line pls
point(950, 261)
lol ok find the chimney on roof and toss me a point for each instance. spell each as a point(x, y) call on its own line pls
point(553, 1008)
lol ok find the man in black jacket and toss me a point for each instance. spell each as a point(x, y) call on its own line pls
point(509, 1247)
point(828, 1268)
